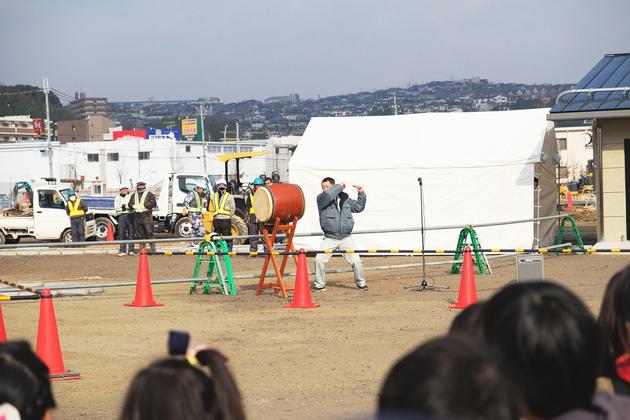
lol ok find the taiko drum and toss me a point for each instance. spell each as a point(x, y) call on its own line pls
point(283, 201)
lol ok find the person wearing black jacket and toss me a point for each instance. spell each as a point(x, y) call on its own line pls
point(142, 203)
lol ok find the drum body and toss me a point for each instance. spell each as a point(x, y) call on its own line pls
point(284, 201)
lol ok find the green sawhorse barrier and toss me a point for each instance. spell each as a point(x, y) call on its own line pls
point(217, 274)
point(479, 257)
point(576, 231)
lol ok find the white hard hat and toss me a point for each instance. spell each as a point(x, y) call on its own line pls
point(200, 185)
point(122, 186)
point(140, 181)
point(221, 181)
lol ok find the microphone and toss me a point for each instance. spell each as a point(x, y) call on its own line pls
point(420, 180)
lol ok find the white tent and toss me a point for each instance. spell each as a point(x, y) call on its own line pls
point(476, 168)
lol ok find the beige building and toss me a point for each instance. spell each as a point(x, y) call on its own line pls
point(19, 128)
point(609, 109)
point(83, 106)
point(575, 146)
point(92, 128)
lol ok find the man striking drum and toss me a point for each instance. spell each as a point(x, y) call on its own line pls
point(335, 218)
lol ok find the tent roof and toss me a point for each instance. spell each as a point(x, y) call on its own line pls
point(422, 141)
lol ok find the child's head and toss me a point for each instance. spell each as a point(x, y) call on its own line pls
point(549, 340)
point(174, 388)
point(449, 377)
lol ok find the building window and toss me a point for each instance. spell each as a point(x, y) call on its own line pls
point(188, 149)
point(112, 157)
point(92, 157)
point(144, 155)
point(562, 143)
point(216, 149)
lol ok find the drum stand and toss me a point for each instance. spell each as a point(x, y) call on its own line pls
point(278, 285)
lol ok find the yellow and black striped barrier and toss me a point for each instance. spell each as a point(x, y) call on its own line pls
point(35, 293)
point(400, 251)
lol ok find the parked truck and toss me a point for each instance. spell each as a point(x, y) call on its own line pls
point(39, 211)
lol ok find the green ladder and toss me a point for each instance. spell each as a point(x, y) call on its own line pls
point(574, 228)
point(480, 259)
point(216, 275)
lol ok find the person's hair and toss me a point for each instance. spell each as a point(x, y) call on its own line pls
point(24, 381)
point(328, 179)
point(550, 343)
point(468, 322)
point(614, 314)
point(448, 377)
point(173, 388)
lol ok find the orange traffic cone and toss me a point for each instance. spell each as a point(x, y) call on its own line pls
point(467, 288)
point(302, 293)
point(48, 347)
point(3, 331)
point(569, 201)
point(144, 293)
point(110, 232)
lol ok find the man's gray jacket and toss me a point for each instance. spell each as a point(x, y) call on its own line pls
point(335, 211)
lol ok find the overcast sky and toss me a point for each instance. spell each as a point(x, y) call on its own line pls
point(237, 49)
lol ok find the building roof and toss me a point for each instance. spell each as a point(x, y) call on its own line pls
point(600, 92)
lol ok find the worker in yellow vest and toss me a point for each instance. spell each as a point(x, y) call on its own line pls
point(142, 203)
point(76, 209)
point(222, 207)
point(194, 204)
point(253, 227)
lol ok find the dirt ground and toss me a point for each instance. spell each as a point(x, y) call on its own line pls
point(311, 363)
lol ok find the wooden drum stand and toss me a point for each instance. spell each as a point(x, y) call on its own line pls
point(278, 285)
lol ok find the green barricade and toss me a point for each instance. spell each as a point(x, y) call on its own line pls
point(576, 231)
point(216, 274)
point(479, 257)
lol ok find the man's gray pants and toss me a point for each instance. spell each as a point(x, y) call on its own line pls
point(353, 259)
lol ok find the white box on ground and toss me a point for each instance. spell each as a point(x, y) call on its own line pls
point(530, 267)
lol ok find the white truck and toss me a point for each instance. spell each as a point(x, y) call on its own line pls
point(167, 217)
point(42, 215)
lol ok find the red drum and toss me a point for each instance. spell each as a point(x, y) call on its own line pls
point(284, 201)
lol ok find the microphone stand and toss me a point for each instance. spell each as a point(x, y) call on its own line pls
point(423, 285)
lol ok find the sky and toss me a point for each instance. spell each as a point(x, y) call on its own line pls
point(238, 50)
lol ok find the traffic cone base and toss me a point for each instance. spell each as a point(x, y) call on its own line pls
point(144, 293)
point(467, 287)
point(48, 347)
point(302, 293)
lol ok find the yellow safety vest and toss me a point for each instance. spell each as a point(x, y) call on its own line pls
point(251, 201)
point(74, 208)
point(219, 207)
point(139, 203)
point(198, 204)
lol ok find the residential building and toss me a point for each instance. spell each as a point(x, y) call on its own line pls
point(83, 106)
point(602, 97)
point(92, 128)
point(293, 98)
point(19, 128)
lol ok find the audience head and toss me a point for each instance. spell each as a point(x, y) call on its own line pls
point(176, 388)
point(614, 320)
point(469, 322)
point(24, 382)
point(449, 377)
point(549, 341)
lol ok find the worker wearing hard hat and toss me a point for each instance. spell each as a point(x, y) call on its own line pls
point(76, 209)
point(194, 204)
point(222, 207)
point(125, 220)
point(253, 227)
point(142, 203)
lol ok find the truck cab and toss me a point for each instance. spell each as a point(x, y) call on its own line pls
point(41, 215)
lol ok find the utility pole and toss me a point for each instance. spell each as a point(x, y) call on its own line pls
point(238, 145)
point(203, 141)
point(50, 162)
point(395, 106)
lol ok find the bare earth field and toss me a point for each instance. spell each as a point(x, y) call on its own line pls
point(311, 363)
